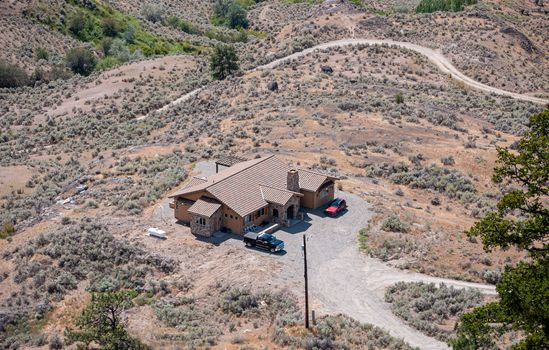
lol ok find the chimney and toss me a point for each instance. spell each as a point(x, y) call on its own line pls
point(293, 181)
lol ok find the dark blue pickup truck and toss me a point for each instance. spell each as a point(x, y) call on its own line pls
point(265, 241)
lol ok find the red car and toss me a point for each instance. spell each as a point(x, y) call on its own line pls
point(336, 207)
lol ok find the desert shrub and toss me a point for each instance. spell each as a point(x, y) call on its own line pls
point(153, 13)
point(391, 249)
point(491, 276)
point(394, 224)
point(399, 98)
point(7, 229)
point(81, 61)
point(427, 6)
point(452, 183)
point(428, 307)
point(11, 76)
point(84, 251)
point(238, 301)
point(41, 54)
point(448, 160)
point(336, 332)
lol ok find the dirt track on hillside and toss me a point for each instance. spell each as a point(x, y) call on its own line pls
point(437, 58)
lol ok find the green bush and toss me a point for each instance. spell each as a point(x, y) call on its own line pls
point(153, 13)
point(81, 61)
point(11, 76)
point(394, 224)
point(428, 6)
point(111, 27)
point(41, 54)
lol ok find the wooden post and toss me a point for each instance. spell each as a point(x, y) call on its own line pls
point(306, 282)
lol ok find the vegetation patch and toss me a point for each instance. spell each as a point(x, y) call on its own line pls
point(430, 308)
point(428, 6)
point(117, 36)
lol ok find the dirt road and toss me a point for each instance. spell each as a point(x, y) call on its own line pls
point(344, 280)
point(434, 56)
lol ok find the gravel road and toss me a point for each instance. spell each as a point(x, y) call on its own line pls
point(344, 280)
point(434, 56)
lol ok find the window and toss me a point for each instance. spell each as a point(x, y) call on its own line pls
point(248, 219)
point(201, 221)
point(231, 217)
point(261, 212)
point(226, 215)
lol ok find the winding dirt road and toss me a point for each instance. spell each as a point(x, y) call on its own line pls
point(434, 56)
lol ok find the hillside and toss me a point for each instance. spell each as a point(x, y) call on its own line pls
point(87, 161)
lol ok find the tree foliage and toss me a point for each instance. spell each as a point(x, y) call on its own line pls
point(223, 62)
point(81, 61)
point(101, 323)
point(522, 221)
point(231, 14)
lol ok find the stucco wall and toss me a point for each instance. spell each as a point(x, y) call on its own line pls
point(235, 224)
point(180, 211)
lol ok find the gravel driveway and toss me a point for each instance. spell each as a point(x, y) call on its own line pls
point(341, 278)
point(344, 280)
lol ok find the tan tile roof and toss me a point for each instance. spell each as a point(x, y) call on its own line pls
point(239, 186)
point(195, 181)
point(311, 181)
point(277, 195)
point(241, 191)
point(229, 161)
point(204, 207)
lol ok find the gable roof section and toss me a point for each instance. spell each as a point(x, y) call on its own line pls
point(277, 195)
point(241, 191)
point(229, 161)
point(195, 181)
point(215, 178)
point(204, 207)
point(311, 181)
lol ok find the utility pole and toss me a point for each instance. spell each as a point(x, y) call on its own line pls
point(306, 282)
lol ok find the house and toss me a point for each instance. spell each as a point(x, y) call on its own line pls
point(252, 192)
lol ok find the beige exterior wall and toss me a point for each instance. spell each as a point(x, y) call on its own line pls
point(313, 200)
point(308, 199)
point(235, 224)
point(180, 211)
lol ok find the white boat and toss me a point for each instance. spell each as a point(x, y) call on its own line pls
point(156, 232)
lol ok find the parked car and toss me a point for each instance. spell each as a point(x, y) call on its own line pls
point(265, 241)
point(336, 207)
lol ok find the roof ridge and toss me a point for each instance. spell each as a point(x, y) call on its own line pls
point(316, 172)
point(241, 170)
point(279, 189)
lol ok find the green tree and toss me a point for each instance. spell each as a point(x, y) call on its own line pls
point(81, 61)
point(522, 221)
point(223, 62)
point(101, 322)
point(231, 14)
